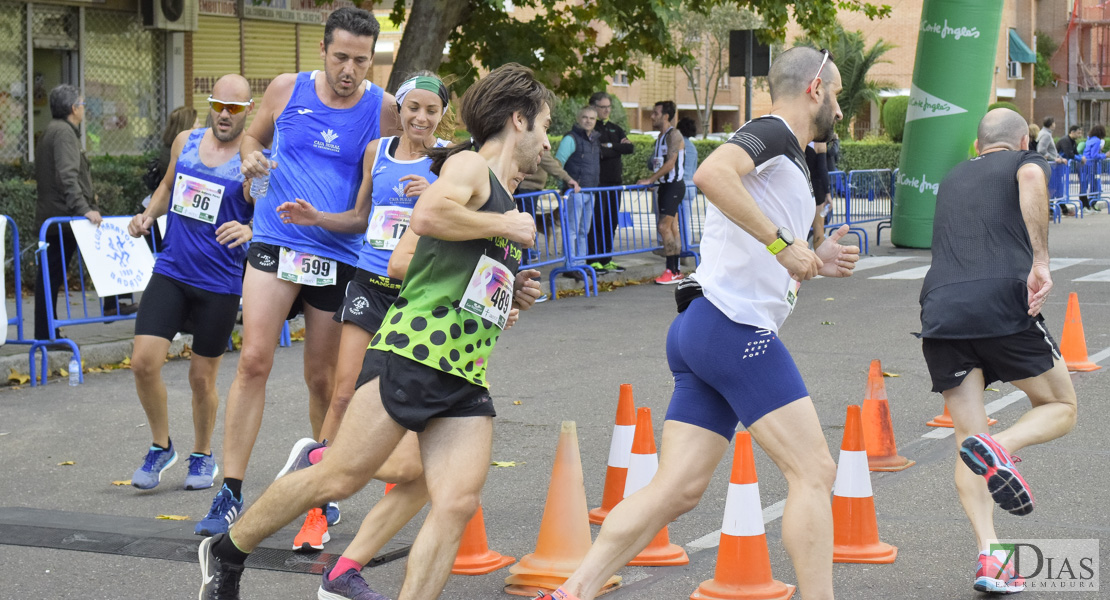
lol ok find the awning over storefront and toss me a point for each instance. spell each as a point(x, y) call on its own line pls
point(1019, 52)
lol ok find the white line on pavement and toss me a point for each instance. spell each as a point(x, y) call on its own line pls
point(1100, 276)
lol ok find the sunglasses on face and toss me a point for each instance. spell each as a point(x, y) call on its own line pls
point(232, 108)
point(824, 60)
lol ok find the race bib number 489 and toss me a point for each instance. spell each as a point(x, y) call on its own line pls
point(490, 292)
point(196, 198)
point(306, 269)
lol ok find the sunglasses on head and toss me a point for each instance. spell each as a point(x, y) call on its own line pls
point(824, 60)
point(232, 108)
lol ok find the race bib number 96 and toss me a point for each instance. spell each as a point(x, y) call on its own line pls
point(490, 292)
point(306, 269)
point(196, 198)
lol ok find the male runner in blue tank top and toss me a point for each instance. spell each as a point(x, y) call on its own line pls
point(317, 125)
point(197, 279)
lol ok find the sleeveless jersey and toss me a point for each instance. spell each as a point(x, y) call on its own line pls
point(190, 252)
point(319, 151)
point(391, 209)
point(660, 156)
point(427, 323)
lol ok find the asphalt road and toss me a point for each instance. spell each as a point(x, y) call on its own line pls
point(565, 361)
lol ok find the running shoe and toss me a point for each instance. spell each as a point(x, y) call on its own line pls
point(600, 270)
point(669, 277)
point(313, 534)
point(558, 594)
point(988, 458)
point(202, 471)
point(298, 456)
point(149, 475)
point(225, 509)
point(219, 579)
point(331, 511)
point(613, 267)
point(348, 586)
point(992, 577)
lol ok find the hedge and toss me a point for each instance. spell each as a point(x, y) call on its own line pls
point(894, 116)
point(879, 154)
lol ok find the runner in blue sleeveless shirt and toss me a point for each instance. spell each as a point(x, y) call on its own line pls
point(395, 171)
point(197, 278)
point(317, 125)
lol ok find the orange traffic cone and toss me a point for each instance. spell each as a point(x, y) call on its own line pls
point(564, 535)
point(619, 451)
point(878, 429)
point(743, 570)
point(642, 466)
point(945, 420)
point(1073, 344)
point(855, 527)
point(475, 557)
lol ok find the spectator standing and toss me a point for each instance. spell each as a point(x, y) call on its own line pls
point(1067, 146)
point(819, 183)
point(668, 166)
point(534, 182)
point(688, 129)
point(580, 154)
point(1088, 177)
point(1046, 146)
point(832, 153)
point(607, 204)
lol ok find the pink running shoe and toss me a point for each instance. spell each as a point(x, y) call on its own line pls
point(992, 577)
point(988, 458)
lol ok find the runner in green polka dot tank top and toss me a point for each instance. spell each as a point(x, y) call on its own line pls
point(455, 300)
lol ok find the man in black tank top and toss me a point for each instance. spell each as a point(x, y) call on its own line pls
point(981, 322)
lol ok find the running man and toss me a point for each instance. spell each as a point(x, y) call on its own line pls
point(395, 171)
point(729, 364)
point(981, 322)
point(668, 163)
point(318, 123)
point(436, 341)
point(209, 216)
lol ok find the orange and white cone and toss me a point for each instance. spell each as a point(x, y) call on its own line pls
point(642, 466)
point(878, 427)
point(855, 526)
point(945, 420)
point(474, 556)
point(620, 450)
point(1073, 343)
point(743, 570)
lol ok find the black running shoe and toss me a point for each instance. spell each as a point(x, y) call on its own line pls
point(219, 579)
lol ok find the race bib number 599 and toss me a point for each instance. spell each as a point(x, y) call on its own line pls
point(306, 269)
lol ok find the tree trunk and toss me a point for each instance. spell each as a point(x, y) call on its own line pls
point(429, 26)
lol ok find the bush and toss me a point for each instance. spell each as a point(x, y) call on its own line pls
point(1003, 104)
point(17, 195)
point(868, 154)
point(894, 116)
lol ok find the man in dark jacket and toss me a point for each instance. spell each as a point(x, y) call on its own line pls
point(614, 143)
point(580, 153)
point(1066, 147)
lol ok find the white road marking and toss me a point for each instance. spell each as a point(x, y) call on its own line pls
point(1055, 264)
point(1100, 276)
point(914, 273)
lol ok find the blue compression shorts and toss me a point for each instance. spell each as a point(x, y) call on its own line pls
point(725, 372)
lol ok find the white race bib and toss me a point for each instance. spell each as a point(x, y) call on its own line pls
point(792, 293)
point(196, 198)
point(387, 225)
point(306, 269)
point(490, 292)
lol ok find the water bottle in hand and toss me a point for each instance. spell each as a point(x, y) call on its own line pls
point(259, 186)
point(74, 371)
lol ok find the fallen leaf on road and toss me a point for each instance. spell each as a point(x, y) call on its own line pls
point(66, 463)
point(517, 402)
point(992, 389)
point(172, 517)
point(888, 374)
point(18, 378)
point(4, 432)
point(829, 299)
point(63, 372)
point(827, 323)
point(122, 482)
point(504, 463)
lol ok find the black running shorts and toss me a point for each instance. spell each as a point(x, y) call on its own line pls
point(670, 196)
point(328, 298)
point(369, 296)
point(170, 306)
point(1008, 358)
point(414, 393)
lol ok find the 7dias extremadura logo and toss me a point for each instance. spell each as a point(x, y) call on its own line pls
point(1053, 565)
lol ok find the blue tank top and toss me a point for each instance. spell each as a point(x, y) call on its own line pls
point(391, 209)
point(319, 151)
point(190, 252)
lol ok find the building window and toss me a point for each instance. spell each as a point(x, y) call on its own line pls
point(620, 79)
point(693, 80)
point(1013, 70)
point(724, 82)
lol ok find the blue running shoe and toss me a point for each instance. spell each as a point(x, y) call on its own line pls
point(332, 512)
point(225, 509)
point(202, 470)
point(157, 460)
point(348, 586)
point(298, 457)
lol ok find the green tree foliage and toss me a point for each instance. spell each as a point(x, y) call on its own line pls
point(1042, 71)
point(894, 116)
point(854, 60)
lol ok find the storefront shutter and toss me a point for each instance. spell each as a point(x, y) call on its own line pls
point(215, 54)
point(269, 49)
point(308, 41)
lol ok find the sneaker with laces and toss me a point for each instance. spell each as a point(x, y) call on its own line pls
point(598, 268)
point(202, 471)
point(669, 278)
point(348, 586)
point(313, 534)
point(558, 594)
point(225, 509)
point(613, 267)
point(331, 511)
point(992, 577)
point(219, 579)
point(298, 456)
point(157, 461)
point(988, 458)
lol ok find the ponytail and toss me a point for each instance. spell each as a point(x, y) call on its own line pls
point(440, 155)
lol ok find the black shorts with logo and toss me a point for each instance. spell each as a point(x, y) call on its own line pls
point(176, 306)
point(414, 393)
point(1008, 358)
point(670, 196)
point(327, 298)
point(369, 296)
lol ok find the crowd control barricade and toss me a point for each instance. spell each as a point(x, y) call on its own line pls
point(1058, 190)
point(869, 199)
point(15, 320)
point(691, 222)
point(1084, 184)
point(838, 206)
point(886, 223)
point(1104, 175)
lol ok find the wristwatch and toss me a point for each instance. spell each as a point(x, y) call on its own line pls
point(785, 239)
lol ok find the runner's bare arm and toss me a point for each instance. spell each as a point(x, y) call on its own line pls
point(160, 200)
point(302, 212)
point(402, 255)
point(719, 178)
point(390, 120)
point(261, 132)
point(1033, 198)
point(448, 209)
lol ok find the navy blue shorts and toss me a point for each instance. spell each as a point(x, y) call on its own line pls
point(727, 373)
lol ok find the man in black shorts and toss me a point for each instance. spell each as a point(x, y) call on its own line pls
point(668, 163)
point(981, 322)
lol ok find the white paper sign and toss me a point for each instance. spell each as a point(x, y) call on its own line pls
point(3, 280)
point(117, 262)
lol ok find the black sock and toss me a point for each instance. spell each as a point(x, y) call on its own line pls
point(169, 444)
point(201, 454)
point(672, 263)
point(226, 550)
point(236, 487)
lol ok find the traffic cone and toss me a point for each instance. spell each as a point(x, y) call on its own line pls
point(642, 466)
point(475, 557)
point(945, 420)
point(743, 570)
point(619, 451)
point(855, 527)
point(564, 537)
point(1073, 344)
point(878, 430)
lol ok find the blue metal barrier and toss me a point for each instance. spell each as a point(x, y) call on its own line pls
point(17, 285)
point(691, 222)
point(1058, 190)
point(1084, 182)
point(869, 199)
point(886, 223)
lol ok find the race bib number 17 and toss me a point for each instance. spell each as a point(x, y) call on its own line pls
point(490, 292)
point(196, 198)
point(305, 269)
point(387, 225)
